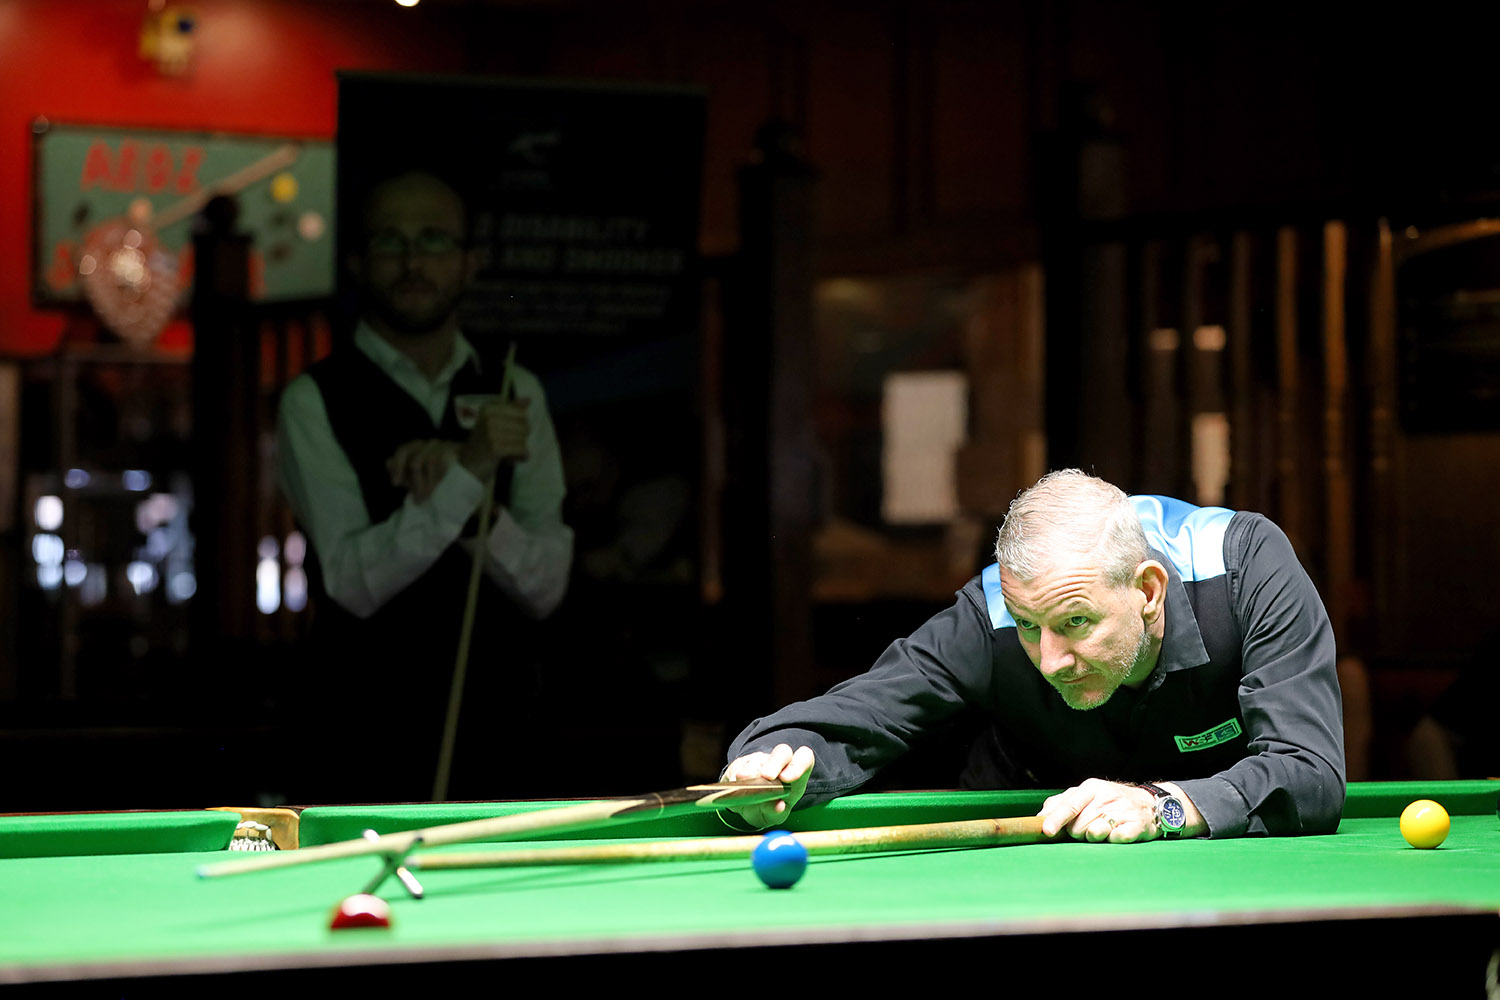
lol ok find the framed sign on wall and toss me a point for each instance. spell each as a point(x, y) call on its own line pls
point(112, 212)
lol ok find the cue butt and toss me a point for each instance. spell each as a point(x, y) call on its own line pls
point(864, 840)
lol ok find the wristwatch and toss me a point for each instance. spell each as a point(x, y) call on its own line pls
point(1171, 814)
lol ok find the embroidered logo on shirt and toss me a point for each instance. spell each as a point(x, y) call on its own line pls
point(466, 408)
point(1222, 733)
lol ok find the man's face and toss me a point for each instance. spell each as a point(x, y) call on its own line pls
point(1085, 635)
point(413, 263)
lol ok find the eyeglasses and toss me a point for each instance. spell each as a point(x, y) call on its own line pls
point(427, 243)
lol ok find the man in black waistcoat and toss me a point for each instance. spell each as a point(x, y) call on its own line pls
point(384, 450)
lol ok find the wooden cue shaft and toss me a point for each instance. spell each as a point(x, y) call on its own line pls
point(866, 840)
point(466, 630)
point(583, 816)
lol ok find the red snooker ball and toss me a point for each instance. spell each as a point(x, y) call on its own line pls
point(361, 910)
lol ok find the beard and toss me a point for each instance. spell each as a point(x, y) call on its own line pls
point(1114, 674)
point(414, 318)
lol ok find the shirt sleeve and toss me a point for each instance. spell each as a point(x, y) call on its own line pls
point(363, 564)
point(1293, 781)
point(864, 723)
point(530, 549)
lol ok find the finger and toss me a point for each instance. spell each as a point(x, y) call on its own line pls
point(764, 814)
point(1061, 809)
point(1129, 832)
point(1056, 820)
point(758, 816)
point(425, 482)
point(1098, 831)
point(435, 462)
point(1089, 813)
point(506, 439)
point(409, 467)
point(512, 446)
point(416, 461)
point(744, 768)
point(511, 429)
point(396, 465)
point(415, 473)
point(498, 414)
point(800, 764)
point(775, 762)
point(421, 472)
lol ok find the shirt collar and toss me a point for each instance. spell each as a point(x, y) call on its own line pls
point(380, 351)
point(1182, 644)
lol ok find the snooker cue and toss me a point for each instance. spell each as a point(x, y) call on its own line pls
point(466, 631)
point(866, 840)
point(583, 816)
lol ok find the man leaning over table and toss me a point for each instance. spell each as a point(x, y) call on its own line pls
point(1171, 667)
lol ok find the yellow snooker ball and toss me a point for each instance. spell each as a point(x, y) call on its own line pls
point(283, 188)
point(1424, 823)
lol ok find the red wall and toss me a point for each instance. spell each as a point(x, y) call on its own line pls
point(259, 66)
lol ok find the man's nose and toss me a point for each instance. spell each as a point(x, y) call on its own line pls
point(1056, 653)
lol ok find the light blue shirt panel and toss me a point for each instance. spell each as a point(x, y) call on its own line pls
point(999, 614)
point(1191, 537)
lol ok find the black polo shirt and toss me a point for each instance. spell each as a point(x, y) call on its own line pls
point(1242, 709)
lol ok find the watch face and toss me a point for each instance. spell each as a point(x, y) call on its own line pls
point(1173, 815)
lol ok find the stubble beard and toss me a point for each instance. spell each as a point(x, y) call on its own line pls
point(414, 322)
point(1088, 701)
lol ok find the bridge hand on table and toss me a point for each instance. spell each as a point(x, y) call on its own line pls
point(1099, 811)
point(781, 764)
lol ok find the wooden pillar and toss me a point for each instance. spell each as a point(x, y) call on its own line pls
point(1243, 494)
point(771, 478)
point(1161, 462)
point(1338, 553)
point(226, 396)
point(1203, 344)
point(1004, 343)
point(1081, 180)
point(1381, 369)
point(1288, 387)
point(1031, 369)
point(1099, 368)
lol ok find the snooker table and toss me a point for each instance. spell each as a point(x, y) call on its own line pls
point(110, 904)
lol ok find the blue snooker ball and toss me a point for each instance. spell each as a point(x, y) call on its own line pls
point(779, 859)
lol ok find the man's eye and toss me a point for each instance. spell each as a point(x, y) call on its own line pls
point(388, 244)
point(1078, 621)
point(1025, 626)
point(435, 241)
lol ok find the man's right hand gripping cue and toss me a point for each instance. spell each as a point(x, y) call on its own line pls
point(500, 432)
point(781, 764)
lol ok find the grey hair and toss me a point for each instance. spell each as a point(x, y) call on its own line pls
point(1071, 513)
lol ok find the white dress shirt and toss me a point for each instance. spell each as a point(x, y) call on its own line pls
point(528, 551)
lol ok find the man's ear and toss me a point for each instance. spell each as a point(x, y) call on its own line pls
point(1151, 580)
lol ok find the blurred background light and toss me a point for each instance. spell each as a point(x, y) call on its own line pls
point(48, 513)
